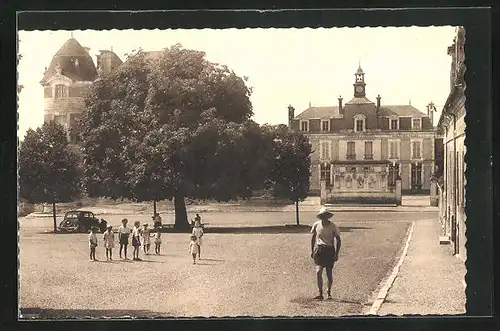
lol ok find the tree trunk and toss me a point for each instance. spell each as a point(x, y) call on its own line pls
point(154, 207)
point(297, 211)
point(181, 220)
point(54, 215)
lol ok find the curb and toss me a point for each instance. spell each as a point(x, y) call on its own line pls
point(384, 291)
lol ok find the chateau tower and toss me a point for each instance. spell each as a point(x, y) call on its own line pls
point(67, 78)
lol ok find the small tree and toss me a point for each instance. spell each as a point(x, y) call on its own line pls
point(290, 175)
point(48, 168)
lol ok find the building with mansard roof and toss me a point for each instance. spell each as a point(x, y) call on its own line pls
point(363, 150)
point(69, 75)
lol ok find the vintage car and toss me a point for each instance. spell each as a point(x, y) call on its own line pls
point(81, 221)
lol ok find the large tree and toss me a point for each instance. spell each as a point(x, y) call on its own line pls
point(48, 167)
point(169, 127)
point(289, 177)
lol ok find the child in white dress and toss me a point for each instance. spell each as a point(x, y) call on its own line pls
point(198, 233)
point(193, 248)
point(109, 242)
point(145, 238)
point(157, 241)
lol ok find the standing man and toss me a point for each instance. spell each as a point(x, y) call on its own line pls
point(325, 249)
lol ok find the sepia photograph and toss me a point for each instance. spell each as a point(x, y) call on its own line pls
point(256, 172)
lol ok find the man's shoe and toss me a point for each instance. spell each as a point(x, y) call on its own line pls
point(329, 297)
point(319, 297)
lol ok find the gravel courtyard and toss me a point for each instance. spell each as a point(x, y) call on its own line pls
point(264, 272)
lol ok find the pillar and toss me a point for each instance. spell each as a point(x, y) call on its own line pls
point(398, 192)
point(434, 193)
point(323, 191)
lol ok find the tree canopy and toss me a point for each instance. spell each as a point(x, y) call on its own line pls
point(172, 126)
point(48, 167)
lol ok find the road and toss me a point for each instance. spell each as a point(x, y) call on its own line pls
point(257, 274)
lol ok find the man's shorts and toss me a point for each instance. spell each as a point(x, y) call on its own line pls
point(123, 240)
point(324, 256)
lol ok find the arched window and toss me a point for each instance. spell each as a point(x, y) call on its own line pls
point(61, 91)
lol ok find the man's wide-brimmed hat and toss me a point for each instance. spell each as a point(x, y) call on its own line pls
point(324, 212)
point(109, 227)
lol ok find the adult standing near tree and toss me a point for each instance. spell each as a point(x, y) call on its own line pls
point(325, 248)
point(198, 232)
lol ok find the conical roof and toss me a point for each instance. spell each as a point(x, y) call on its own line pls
point(73, 61)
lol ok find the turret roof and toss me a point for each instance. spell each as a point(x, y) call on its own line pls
point(73, 61)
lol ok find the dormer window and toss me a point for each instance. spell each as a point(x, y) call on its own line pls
point(359, 123)
point(304, 126)
point(325, 125)
point(416, 123)
point(394, 123)
point(61, 91)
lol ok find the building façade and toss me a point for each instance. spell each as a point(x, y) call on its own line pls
point(362, 149)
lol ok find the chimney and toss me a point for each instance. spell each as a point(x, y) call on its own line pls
point(341, 110)
point(430, 112)
point(87, 49)
point(291, 115)
point(309, 104)
point(377, 111)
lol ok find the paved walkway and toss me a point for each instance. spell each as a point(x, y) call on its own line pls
point(431, 280)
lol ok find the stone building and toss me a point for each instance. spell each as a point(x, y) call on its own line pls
point(68, 77)
point(451, 127)
point(364, 150)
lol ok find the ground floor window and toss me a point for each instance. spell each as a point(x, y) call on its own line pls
point(416, 176)
point(393, 174)
point(325, 173)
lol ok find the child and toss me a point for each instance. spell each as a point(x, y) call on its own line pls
point(157, 241)
point(145, 238)
point(198, 233)
point(123, 234)
point(136, 240)
point(193, 248)
point(92, 243)
point(109, 242)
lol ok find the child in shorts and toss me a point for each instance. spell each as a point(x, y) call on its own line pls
point(93, 243)
point(193, 248)
point(146, 238)
point(157, 241)
point(123, 234)
point(136, 240)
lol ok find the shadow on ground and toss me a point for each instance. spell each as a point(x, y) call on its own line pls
point(41, 313)
point(258, 229)
point(276, 229)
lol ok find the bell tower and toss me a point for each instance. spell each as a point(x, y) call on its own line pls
point(359, 83)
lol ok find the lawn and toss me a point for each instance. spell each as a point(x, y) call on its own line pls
point(257, 273)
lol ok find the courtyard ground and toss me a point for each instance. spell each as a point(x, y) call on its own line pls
point(264, 271)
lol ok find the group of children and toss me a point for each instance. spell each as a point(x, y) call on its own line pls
point(140, 237)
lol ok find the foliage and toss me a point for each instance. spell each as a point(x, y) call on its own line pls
point(48, 167)
point(172, 126)
point(290, 175)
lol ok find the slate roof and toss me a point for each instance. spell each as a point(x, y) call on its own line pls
point(359, 101)
point(401, 110)
point(73, 61)
point(115, 60)
point(333, 111)
point(318, 112)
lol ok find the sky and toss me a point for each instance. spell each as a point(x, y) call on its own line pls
point(285, 67)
